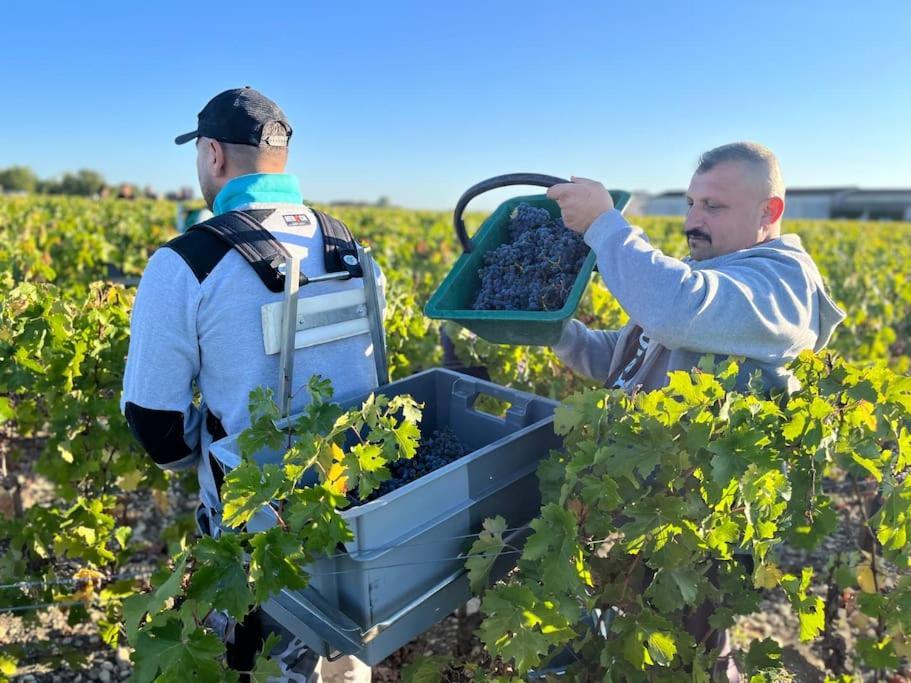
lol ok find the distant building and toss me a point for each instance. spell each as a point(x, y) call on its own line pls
point(638, 203)
point(812, 202)
point(671, 203)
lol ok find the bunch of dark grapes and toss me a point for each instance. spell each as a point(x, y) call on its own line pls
point(434, 451)
point(535, 269)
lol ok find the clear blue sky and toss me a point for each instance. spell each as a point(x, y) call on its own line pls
point(419, 100)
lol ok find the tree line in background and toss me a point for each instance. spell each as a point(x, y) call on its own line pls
point(89, 183)
point(83, 183)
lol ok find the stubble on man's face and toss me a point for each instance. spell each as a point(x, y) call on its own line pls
point(206, 186)
point(725, 210)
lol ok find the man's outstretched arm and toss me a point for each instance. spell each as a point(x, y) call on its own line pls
point(587, 352)
point(762, 307)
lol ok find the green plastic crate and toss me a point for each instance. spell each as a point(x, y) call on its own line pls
point(453, 298)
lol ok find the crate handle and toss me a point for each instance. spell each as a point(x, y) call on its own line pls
point(308, 608)
point(536, 179)
point(465, 391)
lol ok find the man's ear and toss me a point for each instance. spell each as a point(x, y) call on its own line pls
point(217, 159)
point(772, 211)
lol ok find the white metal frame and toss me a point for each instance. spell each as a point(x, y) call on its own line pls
point(294, 323)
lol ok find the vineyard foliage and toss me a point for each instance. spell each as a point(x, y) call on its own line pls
point(738, 472)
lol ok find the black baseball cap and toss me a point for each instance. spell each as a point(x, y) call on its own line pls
point(241, 116)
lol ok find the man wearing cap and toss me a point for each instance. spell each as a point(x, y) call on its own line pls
point(196, 325)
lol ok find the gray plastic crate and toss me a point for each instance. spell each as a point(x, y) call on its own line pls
point(371, 608)
point(403, 571)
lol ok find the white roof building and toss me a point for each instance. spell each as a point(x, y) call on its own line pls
point(811, 202)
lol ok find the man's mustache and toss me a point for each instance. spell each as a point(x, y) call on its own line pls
point(699, 234)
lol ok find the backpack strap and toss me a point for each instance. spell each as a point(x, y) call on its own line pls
point(246, 235)
point(339, 247)
point(250, 239)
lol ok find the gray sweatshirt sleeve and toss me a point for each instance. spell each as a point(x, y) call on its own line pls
point(762, 307)
point(587, 352)
point(163, 359)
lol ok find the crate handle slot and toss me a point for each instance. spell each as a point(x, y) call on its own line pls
point(466, 391)
point(536, 179)
point(495, 407)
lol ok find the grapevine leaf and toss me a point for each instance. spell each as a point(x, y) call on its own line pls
point(411, 409)
point(262, 432)
point(7, 665)
point(247, 488)
point(603, 492)
point(266, 669)
point(407, 438)
point(661, 647)
point(763, 654)
point(366, 467)
point(865, 578)
point(878, 654)
point(553, 548)
point(219, 579)
point(767, 576)
point(276, 563)
point(426, 669)
point(635, 650)
point(319, 388)
point(812, 618)
point(179, 657)
point(6, 409)
point(137, 606)
point(484, 552)
point(514, 627)
point(671, 589)
point(312, 514)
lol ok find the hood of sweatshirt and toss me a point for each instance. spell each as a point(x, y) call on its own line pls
point(786, 248)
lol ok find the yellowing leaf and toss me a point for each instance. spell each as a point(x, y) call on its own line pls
point(130, 480)
point(7, 665)
point(661, 647)
point(336, 479)
point(65, 453)
point(902, 646)
point(865, 578)
point(86, 582)
point(161, 500)
point(767, 576)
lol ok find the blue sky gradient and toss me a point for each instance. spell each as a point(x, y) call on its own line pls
point(419, 100)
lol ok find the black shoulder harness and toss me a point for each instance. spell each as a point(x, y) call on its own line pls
point(205, 244)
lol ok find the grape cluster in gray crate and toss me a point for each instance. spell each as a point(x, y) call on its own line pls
point(435, 451)
point(535, 269)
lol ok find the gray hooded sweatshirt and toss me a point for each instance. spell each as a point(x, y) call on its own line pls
point(766, 303)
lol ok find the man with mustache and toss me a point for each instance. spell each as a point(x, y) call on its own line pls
point(746, 289)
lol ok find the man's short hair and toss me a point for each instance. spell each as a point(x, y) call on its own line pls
point(250, 157)
point(751, 153)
